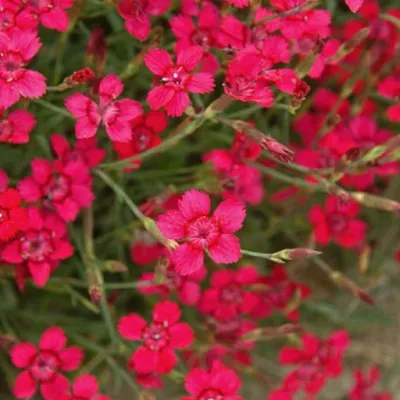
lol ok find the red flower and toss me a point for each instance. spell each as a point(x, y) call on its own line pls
point(61, 187)
point(13, 217)
point(116, 115)
point(364, 387)
point(85, 150)
point(43, 366)
point(192, 224)
point(219, 382)
point(136, 15)
point(16, 127)
point(204, 34)
point(41, 246)
point(16, 50)
point(176, 79)
point(230, 295)
point(145, 135)
point(337, 222)
point(316, 361)
point(85, 387)
point(160, 338)
point(51, 13)
point(354, 5)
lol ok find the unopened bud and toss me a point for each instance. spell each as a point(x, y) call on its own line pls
point(116, 266)
point(377, 202)
point(278, 150)
point(79, 77)
point(95, 294)
point(96, 45)
point(300, 253)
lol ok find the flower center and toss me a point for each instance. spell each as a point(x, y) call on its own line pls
point(156, 337)
point(202, 39)
point(4, 216)
point(10, 65)
point(338, 223)
point(175, 78)
point(211, 394)
point(141, 137)
point(36, 246)
point(44, 366)
point(231, 294)
point(56, 188)
point(202, 232)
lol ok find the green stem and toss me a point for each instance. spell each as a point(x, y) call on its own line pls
point(52, 107)
point(266, 256)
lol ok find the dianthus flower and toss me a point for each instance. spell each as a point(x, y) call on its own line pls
point(365, 386)
point(187, 287)
point(176, 79)
point(15, 128)
point(277, 292)
point(13, 216)
point(160, 338)
point(219, 382)
point(116, 115)
point(203, 35)
point(61, 187)
point(336, 221)
point(85, 150)
point(145, 135)
point(136, 15)
point(192, 225)
point(41, 246)
point(17, 48)
point(316, 361)
point(43, 366)
point(85, 387)
point(230, 294)
point(51, 13)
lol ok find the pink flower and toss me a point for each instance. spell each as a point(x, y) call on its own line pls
point(51, 13)
point(16, 50)
point(61, 187)
point(145, 135)
point(115, 115)
point(277, 293)
point(43, 366)
point(354, 5)
point(85, 387)
point(176, 79)
point(13, 217)
point(160, 338)
point(238, 3)
point(204, 34)
point(218, 382)
point(136, 15)
point(15, 128)
point(230, 294)
point(41, 246)
point(337, 222)
point(364, 387)
point(85, 150)
point(192, 224)
point(316, 361)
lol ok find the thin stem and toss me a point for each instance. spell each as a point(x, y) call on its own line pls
point(266, 256)
point(52, 107)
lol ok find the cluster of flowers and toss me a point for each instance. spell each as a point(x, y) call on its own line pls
point(257, 57)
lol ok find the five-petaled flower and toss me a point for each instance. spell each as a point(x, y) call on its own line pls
point(197, 231)
point(176, 79)
point(116, 115)
point(43, 366)
point(219, 383)
point(160, 338)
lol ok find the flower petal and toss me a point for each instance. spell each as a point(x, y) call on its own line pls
point(187, 259)
point(56, 388)
point(53, 339)
point(22, 354)
point(85, 386)
point(226, 249)
point(172, 225)
point(131, 326)
point(230, 215)
point(24, 386)
point(71, 358)
point(182, 336)
point(157, 61)
point(194, 204)
point(166, 312)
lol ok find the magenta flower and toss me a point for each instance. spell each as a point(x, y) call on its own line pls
point(230, 295)
point(219, 382)
point(354, 5)
point(197, 231)
point(115, 115)
point(176, 79)
point(41, 246)
point(85, 387)
point(136, 15)
point(61, 187)
point(365, 386)
point(337, 222)
point(15, 128)
point(160, 338)
point(43, 366)
point(51, 13)
point(16, 50)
